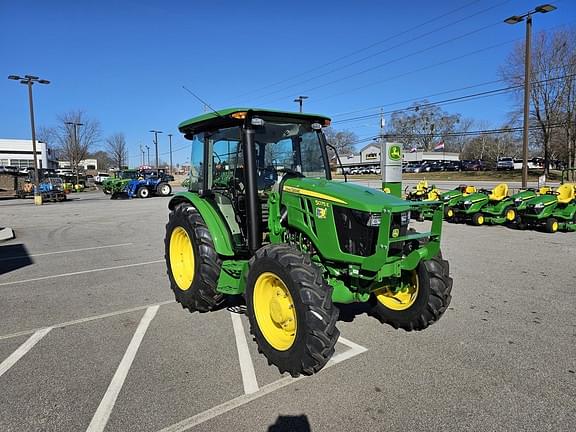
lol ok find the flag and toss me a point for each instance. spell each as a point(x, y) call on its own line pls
point(439, 146)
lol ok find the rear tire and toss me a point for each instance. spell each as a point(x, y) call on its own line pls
point(428, 303)
point(510, 214)
point(193, 264)
point(163, 189)
point(143, 192)
point(294, 325)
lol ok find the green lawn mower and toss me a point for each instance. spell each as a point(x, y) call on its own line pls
point(552, 211)
point(451, 197)
point(423, 192)
point(263, 219)
point(484, 206)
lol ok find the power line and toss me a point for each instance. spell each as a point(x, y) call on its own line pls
point(366, 48)
point(436, 30)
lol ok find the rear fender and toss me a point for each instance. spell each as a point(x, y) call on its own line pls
point(212, 218)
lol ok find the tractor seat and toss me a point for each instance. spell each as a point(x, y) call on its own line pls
point(565, 193)
point(499, 192)
point(469, 190)
point(422, 185)
point(543, 190)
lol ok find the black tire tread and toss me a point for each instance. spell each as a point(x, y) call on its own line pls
point(316, 295)
point(202, 295)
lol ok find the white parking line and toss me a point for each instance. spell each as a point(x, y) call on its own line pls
point(87, 319)
point(80, 272)
point(263, 391)
point(22, 350)
point(64, 251)
point(246, 366)
point(102, 414)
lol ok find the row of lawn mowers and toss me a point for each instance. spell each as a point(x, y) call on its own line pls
point(547, 208)
point(136, 183)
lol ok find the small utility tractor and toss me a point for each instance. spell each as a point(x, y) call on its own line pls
point(144, 187)
point(451, 197)
point(486, 206)
point(553, 211)
point(117, 183)
point(262, 218)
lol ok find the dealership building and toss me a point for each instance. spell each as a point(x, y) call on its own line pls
point(369, 157)
point(18, 153)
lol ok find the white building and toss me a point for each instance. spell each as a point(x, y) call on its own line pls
point(369, 156)
point(86, 164)
point(18, 153)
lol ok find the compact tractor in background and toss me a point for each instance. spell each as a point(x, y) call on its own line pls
point(137, 183)
point(263, 218)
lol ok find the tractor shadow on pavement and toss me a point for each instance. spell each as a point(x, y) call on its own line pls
point(291, 424)
point(13, 257)
point(349, 312)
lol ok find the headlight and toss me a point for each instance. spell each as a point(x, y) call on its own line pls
point(467, 202)
point(446, 198)
point(374, 220)
point(405, 218)
point(539, 206)
point(517, 201)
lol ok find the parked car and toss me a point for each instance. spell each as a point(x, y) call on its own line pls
point(100, 177)
point(473, 165)
point(452, 165)
point(505, 163)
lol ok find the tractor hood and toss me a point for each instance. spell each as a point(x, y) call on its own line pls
point(345, 194)
point(475, 197)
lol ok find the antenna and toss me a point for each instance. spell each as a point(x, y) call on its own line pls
point(203, 102)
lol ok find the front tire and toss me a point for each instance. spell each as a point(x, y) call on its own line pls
point(478, 219)
point(423, 300)
point(290, 309)
point(551, 225)
point(143, 192)
point(192, 262)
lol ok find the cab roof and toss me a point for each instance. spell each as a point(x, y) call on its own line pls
point(224, 118)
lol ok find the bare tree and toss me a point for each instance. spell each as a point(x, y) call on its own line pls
point(117, 149)
point(550, 92)
point(423, 126)
point(343, 141)
point(75, 141)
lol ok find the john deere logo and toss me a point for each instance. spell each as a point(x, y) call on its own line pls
point(394, 152)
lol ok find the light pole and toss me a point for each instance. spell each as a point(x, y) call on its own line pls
point(75, 141)
point(300, 101)
point(29, 80)
point(148, 150)
point(156, 132)
point(170, 141)
point(515, 19)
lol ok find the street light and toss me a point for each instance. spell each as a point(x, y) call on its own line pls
point(515, 19)
point(148, 150)
point(156, 132)
point(300, 100)
point(29, 80)
point(75, 141)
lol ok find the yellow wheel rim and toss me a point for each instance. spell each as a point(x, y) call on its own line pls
point(181, 258)
point(554, 226)
point(511, 215)
point(275, 312)
point(401, 299)
point(450, 212)
point(480, 220)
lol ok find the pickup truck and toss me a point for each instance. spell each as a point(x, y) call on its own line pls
point(505, 163)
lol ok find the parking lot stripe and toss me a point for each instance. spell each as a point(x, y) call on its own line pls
point(64, 251)
point(246, 366)
point(218, 410)
point(87, 319)
point(23, 349)
point(107, 403)
point(80, 272)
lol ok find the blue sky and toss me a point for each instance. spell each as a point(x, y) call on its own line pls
point(124, 63)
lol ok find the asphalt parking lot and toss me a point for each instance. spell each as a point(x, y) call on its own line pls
point(90, 338)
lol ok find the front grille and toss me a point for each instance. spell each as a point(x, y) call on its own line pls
point(354, 236)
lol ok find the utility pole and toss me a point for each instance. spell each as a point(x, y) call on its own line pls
point(156, 132)
point(29, 80)
point(300, 101)
point(148, 150)
point(515, 19)
point(170, 140)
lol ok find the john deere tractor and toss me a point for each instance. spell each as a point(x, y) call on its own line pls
point(263, 218)
point(554, 210)
point(486, 206)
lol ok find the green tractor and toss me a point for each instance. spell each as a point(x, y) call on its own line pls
point(262, 218)
point(117, 183)
point(553, 211)
point(486, 206)
point(451, 197)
